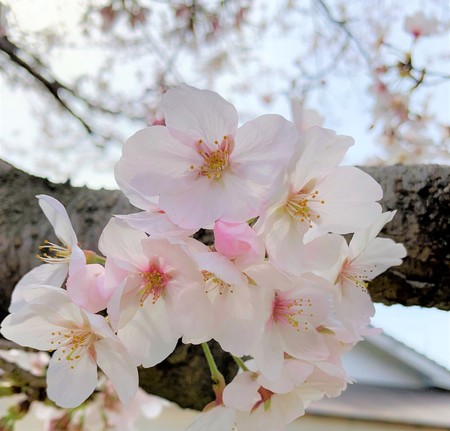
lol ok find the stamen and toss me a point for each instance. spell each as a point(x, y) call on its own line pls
point(298, 206)
point(54, 253)
point(291, 312)
point(213, 282)
point(154, 284)
point(216, 162)
point(71, 342)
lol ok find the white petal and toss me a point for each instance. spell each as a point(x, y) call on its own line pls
point(30, 328)
point(320, 151)
point(58, 218)
point(123, 243)
point(360, 239)
point(242, 392)
point(116, 363)
point(199, 114)
point(349, 196)
point(46, 274)
point(219, 418)
point(263, 148)
point(269, 354)
point(155, 223)
point(69, 383)
point(151, 159)
point(151, 335)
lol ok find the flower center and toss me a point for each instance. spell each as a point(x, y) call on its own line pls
point(70, 342)
point(154, 284)
point(213, 282)
point(298, 206)
point(215, 162)
point(358, 277)
point(53, 253)
point(291, 312)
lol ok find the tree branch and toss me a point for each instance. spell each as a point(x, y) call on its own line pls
point(421, 194)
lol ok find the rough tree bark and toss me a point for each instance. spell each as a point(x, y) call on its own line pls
point(421, 195)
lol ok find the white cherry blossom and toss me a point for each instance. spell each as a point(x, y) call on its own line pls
point(59, 259)
point(79, 340)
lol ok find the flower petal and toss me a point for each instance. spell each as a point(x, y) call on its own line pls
point(198, 114)
point(46, 274)
point(263, 148)
point(69, 383)
point(116, 363)
point(58, 218)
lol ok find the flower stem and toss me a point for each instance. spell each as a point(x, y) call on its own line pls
point(240, 363)
point(215, 373)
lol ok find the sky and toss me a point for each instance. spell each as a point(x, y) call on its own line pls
point(426, 330)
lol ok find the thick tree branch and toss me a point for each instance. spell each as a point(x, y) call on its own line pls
point(421, 194)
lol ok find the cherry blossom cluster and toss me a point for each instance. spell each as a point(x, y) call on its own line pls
point(280, 284)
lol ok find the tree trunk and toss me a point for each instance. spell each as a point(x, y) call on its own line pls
point(421, 195)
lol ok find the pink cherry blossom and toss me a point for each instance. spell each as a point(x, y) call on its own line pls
point(419, 25)
point(297, 308)
point(80, 341)
point(59, 259)
point(201, 165)
point(158, 293)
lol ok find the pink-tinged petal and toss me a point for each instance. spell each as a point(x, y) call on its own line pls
point(116, 363)
point(236, 239)
point(58, 218)
point(305, 118)
point(47, 274)
point(77, 259)
point(173, 256)
point(122, 306)
point(123, 173)
point(123, 243)
point(240, 199)
point(361, 239)
point(69, 383)
point(156, 224)
point(198, 205)
point(219, 418)
point(30, 328)
point(263, 148)
point(87, 288)
point(242, 392)
point(320, 150)
point(151, 159)
point(193, 114)
point(151, 335)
